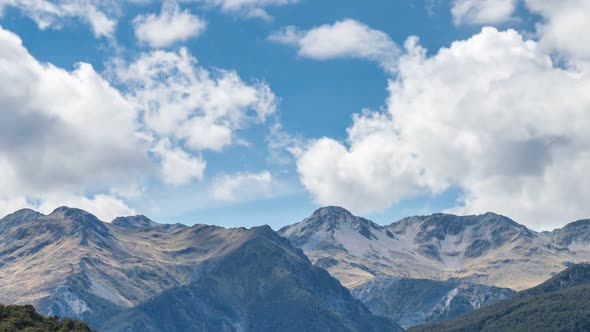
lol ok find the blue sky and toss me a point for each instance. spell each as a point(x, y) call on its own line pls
point(317, 97)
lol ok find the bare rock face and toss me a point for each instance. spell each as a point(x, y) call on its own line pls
point(137, 275)
point(412, 302)
point(487, 249)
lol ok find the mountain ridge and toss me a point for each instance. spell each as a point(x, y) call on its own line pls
point(69, 263)
point(488, 249)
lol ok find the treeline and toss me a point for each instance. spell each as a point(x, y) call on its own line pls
point(26, 318)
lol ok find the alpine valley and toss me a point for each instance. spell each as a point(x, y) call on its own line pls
point(330, 272)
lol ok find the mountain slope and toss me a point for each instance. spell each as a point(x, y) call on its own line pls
point(354, 249)
point(69, 263)
point(412, 302)
point(560, 304)
point(263, 285)
point(487, 249)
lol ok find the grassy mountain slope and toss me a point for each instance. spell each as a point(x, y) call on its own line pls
point(263, 285)
point(560, 304)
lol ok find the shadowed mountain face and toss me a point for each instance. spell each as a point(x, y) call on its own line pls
point(138, 275)
point(411, 302)
point(487, 249)
point(560, 304)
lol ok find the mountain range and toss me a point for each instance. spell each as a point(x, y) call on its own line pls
point(137, 275)
point(487, 249)
point(332, 271)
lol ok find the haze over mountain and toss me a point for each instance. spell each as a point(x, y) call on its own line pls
point(487, 249)
point(137, 275)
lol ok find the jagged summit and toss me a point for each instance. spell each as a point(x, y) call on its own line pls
point(575, 235)
point(328, 223)
point(452, 218)
point(489, 248)
point(73, 213)
point(331, 211)
point(19, 217)
point(334, 216)
point(23, 214)
point(143, 223)
point(134, 221)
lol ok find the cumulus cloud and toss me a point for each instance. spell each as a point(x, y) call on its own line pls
point(482, 11)
point(242, 186)
point(247, 8)
point(62, 131)
point(178, 167)
point(53, 14)
point(76, 138)
point(558, 31)
point(492, 116)
point(48, 111)
point(344, 39)
point(191, 104)
point(563, 28)
point(170, 26)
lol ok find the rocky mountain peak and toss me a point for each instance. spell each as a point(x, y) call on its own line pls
point(19, 217)
point(134, 221)
point(331, 211)
point(72, 214)
point(143, 223)
point(22, 215)
point(328, 220)
point(82, 222)
point(576, 233)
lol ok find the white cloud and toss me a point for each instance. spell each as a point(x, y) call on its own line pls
point(482, 11)
point(242, 186)
point(247, 8)
point(344, 39)
point(178, 167)
point(171, 26)
point(52, 14)
point(53, 128)
point(491, 116)
point(282, 145)
point(559, 30)
point(102, 15)
point(72, 138)
point(564, 28)
point(62, 133)
point(191, 104)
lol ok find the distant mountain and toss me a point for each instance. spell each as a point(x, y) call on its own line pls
point(26, 318)
point(560, 304)
point(137, 275)
point(487, 249)
point(412, 302)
